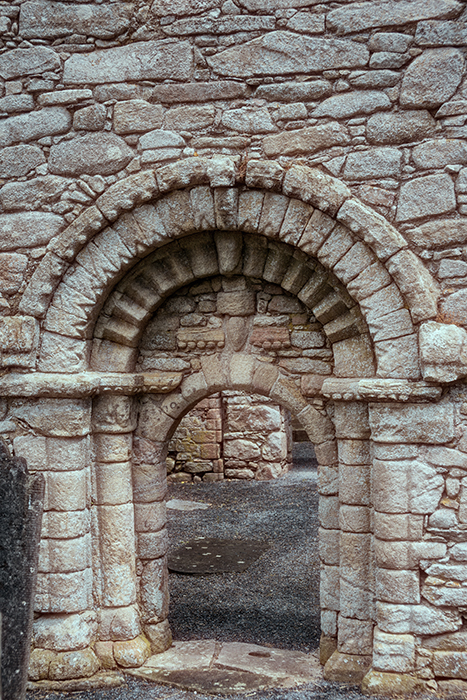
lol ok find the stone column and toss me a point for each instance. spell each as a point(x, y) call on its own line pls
point(405, 490)
point(114, 419)
point(59, 448)
point(149, 489)
point(355, 618)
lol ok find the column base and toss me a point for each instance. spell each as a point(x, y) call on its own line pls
point(346, 668)
point(327, 647)
point(394, 684)
point(102, 679)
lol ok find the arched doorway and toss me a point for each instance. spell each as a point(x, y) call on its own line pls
point(352, 274)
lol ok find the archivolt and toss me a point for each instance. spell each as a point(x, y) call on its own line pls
point(302, 207)
point(202, 255)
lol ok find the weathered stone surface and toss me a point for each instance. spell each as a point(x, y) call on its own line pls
point(49, 20)
point(308, 140)
point(450, 664)
point(63, 97)
point(90, 118)
point(415, 619)
point(346, 668)
point(73, 664)
point(33, 193)
point(65, 632)
point(181, 7)
point(294, 92)
point(432, 78)
point(416, 284)
point(439, 153)
point(454, 308)
point(16, 161)
point(393, 684)
point(372, 164)
point(390, 41)
point(248, 120)
point(221, 25)
point(373, 79)
point(56, 417)
point(34, 125)
point(34, 61)
point(351, 103)
point(181, 118)
point(94, 154)
point(16, 103)
point(393, 652)
point(136, 115)
point(435, 234)
point(361, 16)
point(399, 127)
point(442, 351)
point(429, 423)
point(435, 33)
point(426, 196)
point(12, 267)
point(410, 486)
point(285, 53)
point(198, 92)
point(28, 229)
point(373, 228)
point(132, 653)
point(150, 60)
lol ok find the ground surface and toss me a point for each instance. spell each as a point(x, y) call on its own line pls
point(274, 603)
point(276, 600)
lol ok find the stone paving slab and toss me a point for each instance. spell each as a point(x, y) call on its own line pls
point(179, 504)
point(208, 666)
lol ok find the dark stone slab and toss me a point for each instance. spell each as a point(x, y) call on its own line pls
point(212, 556)
point(21, 505)
point(213, 682)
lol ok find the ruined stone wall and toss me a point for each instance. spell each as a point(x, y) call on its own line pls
point(311, 152)
point(231, 435)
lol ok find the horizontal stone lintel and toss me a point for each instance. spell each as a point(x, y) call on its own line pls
point(379, 390)
point(48, 385)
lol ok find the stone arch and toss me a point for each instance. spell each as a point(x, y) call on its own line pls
point(302, 207)
point(141, 527)
point(135, 299)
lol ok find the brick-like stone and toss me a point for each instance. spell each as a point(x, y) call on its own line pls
point(402, 127)
point(33, 61)
point(351, 103)
point(432, 78)
point(287, 53)
point(94, 154)
point(356, 17)
point(426, 196)
point(412, 423)
point(34, 125)
point(308, 140)
point(57, 19)
point(147, 60)
point(136, 115)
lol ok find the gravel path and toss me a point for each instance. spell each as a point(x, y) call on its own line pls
point(274, 602)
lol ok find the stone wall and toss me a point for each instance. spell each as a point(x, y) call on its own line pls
point(233, 436)
point(298, 153)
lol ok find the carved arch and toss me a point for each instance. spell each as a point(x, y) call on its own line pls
point(302, 207)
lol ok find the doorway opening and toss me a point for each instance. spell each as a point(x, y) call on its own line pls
point(275, 601)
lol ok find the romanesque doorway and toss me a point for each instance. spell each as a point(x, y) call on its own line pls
point(275, 599)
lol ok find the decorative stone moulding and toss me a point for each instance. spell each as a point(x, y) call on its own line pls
point(270, 338)
point(308, 185)
point(203, 338)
